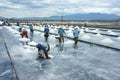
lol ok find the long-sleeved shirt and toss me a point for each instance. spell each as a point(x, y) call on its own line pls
point(76, 33)
point(31, 27)
point(42, 46)
point(46, 30)
point(61, 32)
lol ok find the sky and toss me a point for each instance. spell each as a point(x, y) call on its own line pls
point(47, 8)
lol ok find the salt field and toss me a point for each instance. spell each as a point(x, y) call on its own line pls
point(59, 40)
point(87, 61)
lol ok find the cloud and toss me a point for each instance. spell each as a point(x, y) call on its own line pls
point(45, 8)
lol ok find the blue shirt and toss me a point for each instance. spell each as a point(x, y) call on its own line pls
point(31, 27)
point(46, 30)
point(76, 33)
point(61, 32)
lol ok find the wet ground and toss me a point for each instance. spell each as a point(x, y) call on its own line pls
point(84, 62)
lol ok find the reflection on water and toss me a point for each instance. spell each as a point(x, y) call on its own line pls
point(31, 37)
point(60, 46)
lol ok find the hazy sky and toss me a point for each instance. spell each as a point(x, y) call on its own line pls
point(45, 8)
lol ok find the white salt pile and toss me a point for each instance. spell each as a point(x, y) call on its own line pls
point(83, 27)
point(26, 46)
point(81, 32)
point(113, 33)
point(32, 43)
point(118, 38)
point(98, 35)
point(1, 22)
point(86, 29)
point(68, 42)
point(77, 27)
point(86, 37)
point(107, 40)
point(109, 31)
point(24, 39)
point(96, 30)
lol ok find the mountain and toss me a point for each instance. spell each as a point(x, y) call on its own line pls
point(2, 17)
point(89, 16)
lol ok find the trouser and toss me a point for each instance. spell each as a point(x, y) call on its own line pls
point(76, 40)
point(46, 36)
point(32, 31)
point(24, 35)
point(61, 38)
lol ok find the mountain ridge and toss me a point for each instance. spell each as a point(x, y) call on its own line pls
point(78, 16)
